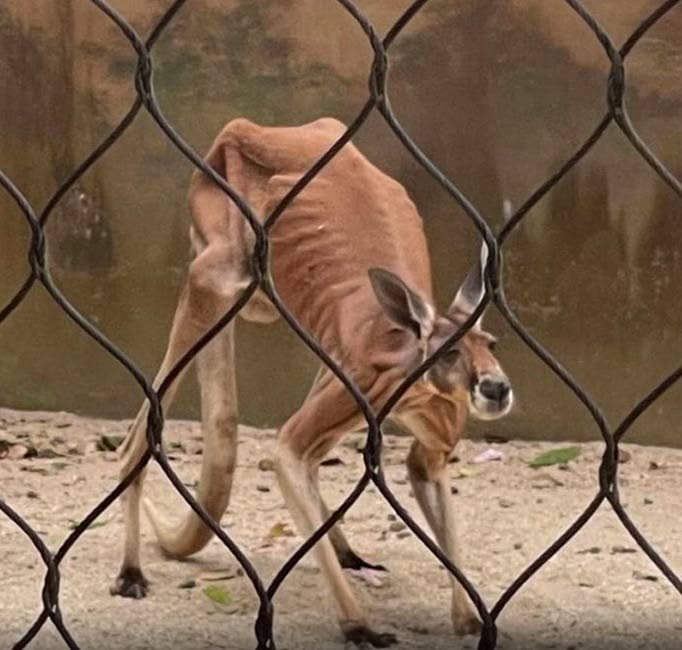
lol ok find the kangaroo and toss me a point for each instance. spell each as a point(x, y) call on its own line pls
point(350, 260)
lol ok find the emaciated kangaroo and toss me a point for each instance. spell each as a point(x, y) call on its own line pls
point(350, 260)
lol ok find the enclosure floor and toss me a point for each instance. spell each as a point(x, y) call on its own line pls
point(599, 592)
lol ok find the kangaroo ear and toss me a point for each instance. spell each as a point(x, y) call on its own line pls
point(402, 305)
point(472, 290)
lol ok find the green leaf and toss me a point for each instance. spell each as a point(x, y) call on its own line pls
point(555, 457)
point(218, 594)
point(281, 529)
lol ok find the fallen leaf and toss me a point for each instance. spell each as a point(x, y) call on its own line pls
point(73, 524)
point(638, 575)
point(623, 549)
point(34, 469)
point(218, 595)
point(281, 529)
point(555, 457)
point(592, 550)
point(220, 574)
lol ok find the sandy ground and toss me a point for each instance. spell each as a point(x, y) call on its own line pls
point(599, 592)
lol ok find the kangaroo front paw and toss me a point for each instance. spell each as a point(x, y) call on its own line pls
point(362, 636)
point(130, 583)
point(467, 623)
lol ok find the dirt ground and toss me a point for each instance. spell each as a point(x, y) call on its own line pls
point(599, 592)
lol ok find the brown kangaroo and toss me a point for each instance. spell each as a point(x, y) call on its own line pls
point(350, 260)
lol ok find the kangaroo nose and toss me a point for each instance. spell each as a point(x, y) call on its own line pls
point(494, 389)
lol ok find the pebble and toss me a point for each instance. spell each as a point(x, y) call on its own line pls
point(266, 465)
point(262, 488)
point(397, 526)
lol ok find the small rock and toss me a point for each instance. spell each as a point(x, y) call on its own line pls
point(110, 442)
point(397, 526)
point(404, 533)
point(91, 447)
point(266, 465)
point(188, 584)
point(32, 494)
point(262, 488)
point(488, 456)
point(653, 465)
point(454, 489)
point(624, 456)
point(647, 501)
point(518, 546)
point(505, 503)
point(16, 452)
point(392, 517)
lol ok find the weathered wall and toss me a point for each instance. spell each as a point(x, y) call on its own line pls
point(498, 94)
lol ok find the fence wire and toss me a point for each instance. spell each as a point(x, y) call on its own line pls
point(378, 100)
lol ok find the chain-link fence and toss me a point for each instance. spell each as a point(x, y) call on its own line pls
point(616, 116)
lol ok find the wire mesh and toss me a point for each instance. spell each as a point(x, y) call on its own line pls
point(378, 100)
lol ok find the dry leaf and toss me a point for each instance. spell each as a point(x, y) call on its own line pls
point(281, 529)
